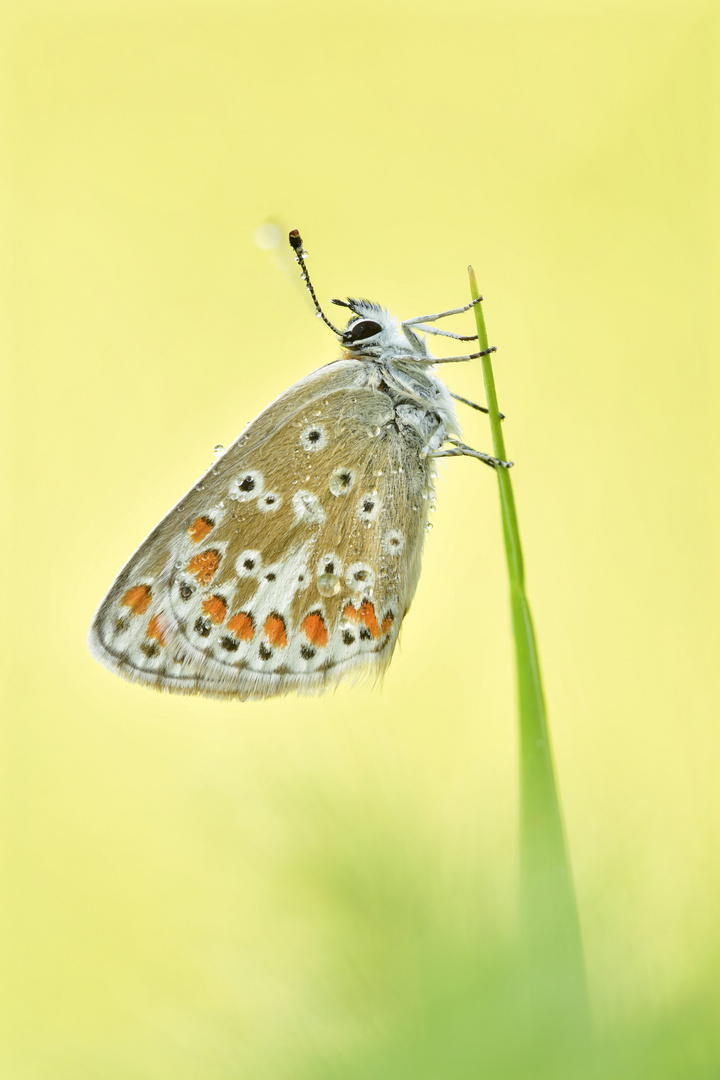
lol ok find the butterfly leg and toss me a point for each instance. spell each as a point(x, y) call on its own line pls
point(441, 314)
point(435, 441)
point(480, 408)
point(445, 333)
point(459, 449)
point(459, 359)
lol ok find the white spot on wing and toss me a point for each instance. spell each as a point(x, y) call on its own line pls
point(313, 437)
point(270, 501)
point(248, 564)
point(247, 486)
point(342, 480)
point(330, 564)
point(368, 506)
point(393, 542)
point(307, 508)
point(360, 576)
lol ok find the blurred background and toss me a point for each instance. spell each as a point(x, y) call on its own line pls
point(325, 886)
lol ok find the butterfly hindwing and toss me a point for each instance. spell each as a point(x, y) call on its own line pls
point(290, 563)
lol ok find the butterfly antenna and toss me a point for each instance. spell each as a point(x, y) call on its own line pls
point(297, 245)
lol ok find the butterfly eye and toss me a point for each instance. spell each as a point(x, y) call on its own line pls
point(359, 331)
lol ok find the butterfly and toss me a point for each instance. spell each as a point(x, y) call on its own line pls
point(293, 561)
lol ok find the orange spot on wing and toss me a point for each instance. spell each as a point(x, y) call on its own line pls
point(155, 630)
point(367, 614)
point(315, 629)
point(364, 614)
point(199, 529)
point(275, 630)
point(241, 625)
point(216, 608)
point(387, 622)
point(137, 599)
point(204, 565)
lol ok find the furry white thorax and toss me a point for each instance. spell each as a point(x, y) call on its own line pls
point(403, 363)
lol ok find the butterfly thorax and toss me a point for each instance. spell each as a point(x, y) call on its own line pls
point(400, 366)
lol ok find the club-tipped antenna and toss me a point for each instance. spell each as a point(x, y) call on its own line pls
point(297, 245)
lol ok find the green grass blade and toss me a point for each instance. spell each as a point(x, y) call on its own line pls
point(547, 899)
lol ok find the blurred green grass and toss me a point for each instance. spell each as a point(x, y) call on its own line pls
point(431, 983)
point(393, 960)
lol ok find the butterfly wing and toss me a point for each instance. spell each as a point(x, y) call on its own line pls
point(290, 564)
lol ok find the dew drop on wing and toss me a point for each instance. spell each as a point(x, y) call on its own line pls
point(328, 584)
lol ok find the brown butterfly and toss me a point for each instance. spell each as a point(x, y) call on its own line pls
point(293, 561)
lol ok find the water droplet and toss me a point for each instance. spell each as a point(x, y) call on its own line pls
point(328, 584)
point(373, 432)
point(428, 526)
point(218, 449)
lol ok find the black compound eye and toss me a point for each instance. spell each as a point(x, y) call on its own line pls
point(365, 328)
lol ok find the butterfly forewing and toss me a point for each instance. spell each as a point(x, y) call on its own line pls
point(292, 561)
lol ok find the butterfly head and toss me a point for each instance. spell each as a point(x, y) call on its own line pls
point(373, 331)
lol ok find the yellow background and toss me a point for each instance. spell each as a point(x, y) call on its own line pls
point(200, 888)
